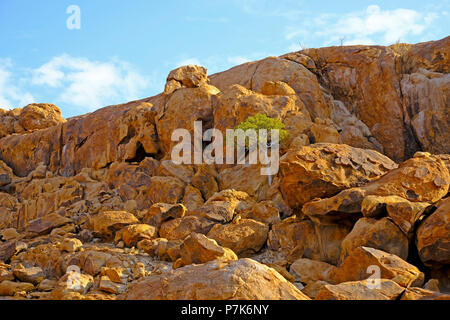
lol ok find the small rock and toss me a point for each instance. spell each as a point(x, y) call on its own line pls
point(313, 288)
point(132, 234)
point(70, 245)
point(359, 290)
point(9, 288)
point(32, 275)
point(432, 285)
point(106, 223)
point(9, 234)
point(308, 271)
point(109, 286)
point(356, 267)
point(139, 270)
point(114, 274)
point(197, 248)
point(245, 236)
point(47, 285)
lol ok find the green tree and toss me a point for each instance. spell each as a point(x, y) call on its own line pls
point(261, 121)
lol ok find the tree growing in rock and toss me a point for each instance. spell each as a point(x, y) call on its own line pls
point(260, 122)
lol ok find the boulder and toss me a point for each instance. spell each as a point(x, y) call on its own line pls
point(418, 294)
point(6, 174)
point(425, 104)
point(205, 180)
point(9, 288)
point(296, 238)
point(33, 275)
point(244, 279)
point(192, 198)
point(180, 228)
point(161, 248)
point(352, 75)
point(243, 237)
point(264, 211)
point(356, 267)
point(433, 236)
point(119, 133)
point(109, 286)
point(222, 206)
point(72, 283)
point(236, 103)
point(197, 248)
point(423, 178)
point(165, 190)
point(312, 289)
point(161, 212)
point(322, 170)
point(9, 234)
point(379, 234)
point(71, 245)
point(134, 233)
point(46, 224)
point(402, 212)
point(308, 271)
point(9, 248)
point(189, 76)
point(182, 108)
point(107, 223)
point(359, 290)
point(37, 116)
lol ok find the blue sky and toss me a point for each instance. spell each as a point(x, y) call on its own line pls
point(125, 49)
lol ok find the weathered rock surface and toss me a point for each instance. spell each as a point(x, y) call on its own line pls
point(360, 263)
point(379, 234)
point(9, 288)
point(424, 178)
point(106, 223)
point(33, 117)
point(197, 248)
point(180, 228)
point(402, 212)
point(308, 271)
point(359, 290)
point(433, 235)
point(296, 238)
point(243, 236)
point(244, 279)
point(33, 275)
point(322, 170)
point(99, 197)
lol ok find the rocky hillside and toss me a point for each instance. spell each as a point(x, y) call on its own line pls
point(92, 207)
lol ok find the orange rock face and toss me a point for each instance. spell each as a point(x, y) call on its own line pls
point(321, 170)
point(363, 185)
point(433, 235)
point(244, 279)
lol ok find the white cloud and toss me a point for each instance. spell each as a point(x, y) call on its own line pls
point(11, 95)
point(89, 84)
point(372, 25)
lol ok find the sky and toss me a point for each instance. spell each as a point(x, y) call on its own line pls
point(85, 54)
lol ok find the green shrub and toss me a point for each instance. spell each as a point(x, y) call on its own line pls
point(261, 121)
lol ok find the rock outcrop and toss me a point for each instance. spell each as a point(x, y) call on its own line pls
point(94, 207)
